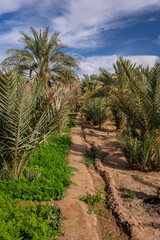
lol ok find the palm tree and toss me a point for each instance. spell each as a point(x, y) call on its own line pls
point(28, 114)
point(88, 84)
point(43, 57)
point(102, 86)
point(133, 94)
point(140, 104)
point(139, 98)
point(98, 85)
point(96, 111)
point(110, 85)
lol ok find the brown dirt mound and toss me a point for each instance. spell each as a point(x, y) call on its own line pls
point(140, 218)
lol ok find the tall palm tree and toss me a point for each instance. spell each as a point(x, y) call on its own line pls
point(43, 57)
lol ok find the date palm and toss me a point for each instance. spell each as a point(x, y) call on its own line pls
point(43, 57)
point(100, 84)
point(109, 85)
point(140, 103)
point(105, 85)
point(28, 113)
point(87, 84)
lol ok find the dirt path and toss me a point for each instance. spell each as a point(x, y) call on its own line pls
point(79, 225)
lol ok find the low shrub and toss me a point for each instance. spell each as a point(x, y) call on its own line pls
point(141, 153)
point(95, 201)
point(89, 156)
point(131, 193)
point(111, 236)
point(47, 176)
point(37, 222)
point(96, 110)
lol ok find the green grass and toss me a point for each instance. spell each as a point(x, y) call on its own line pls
point(53, 176)
point(89, 157)
point(88, 161)
point(110, 236)
point(46, 177)
point(94, 201)
point(131, 193)
point(33, 222)
point(71, 120)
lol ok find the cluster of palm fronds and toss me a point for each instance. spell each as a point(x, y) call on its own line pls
point(96, 110)
point(140, 104)
point(43, 57)
point(133, 94)
point(93, 107)
point(31, 107)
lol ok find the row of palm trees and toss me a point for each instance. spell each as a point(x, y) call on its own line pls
point(37, 88)
point(133, 95)
point(38, 85)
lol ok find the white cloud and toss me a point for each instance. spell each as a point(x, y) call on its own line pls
point(80, 22)
point(143, 59)
point(83, 20)
point(90, 65)
point(12, 5)
point(11, 37)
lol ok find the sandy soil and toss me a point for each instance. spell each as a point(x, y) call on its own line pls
point(79, 225)
point(140, 219)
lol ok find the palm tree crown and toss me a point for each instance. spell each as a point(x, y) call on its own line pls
point(43, 57)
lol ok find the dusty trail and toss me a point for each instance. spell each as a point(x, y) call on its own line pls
point(79, 225)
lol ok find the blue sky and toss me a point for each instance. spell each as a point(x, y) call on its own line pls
point(97, 32)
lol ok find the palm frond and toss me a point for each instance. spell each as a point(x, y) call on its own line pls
point(28, 113)
point(42, 56)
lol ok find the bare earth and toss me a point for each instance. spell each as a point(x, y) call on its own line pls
point(79, 225)
point(139, 216)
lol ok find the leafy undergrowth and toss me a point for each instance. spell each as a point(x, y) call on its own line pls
point(71, 120)
point(47, 176)
point(110, 236)
point(90, 156)
point(95, 201)
point(36, 222)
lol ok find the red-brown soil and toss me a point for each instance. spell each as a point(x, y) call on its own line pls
point(140, 216)
point(79, 225)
